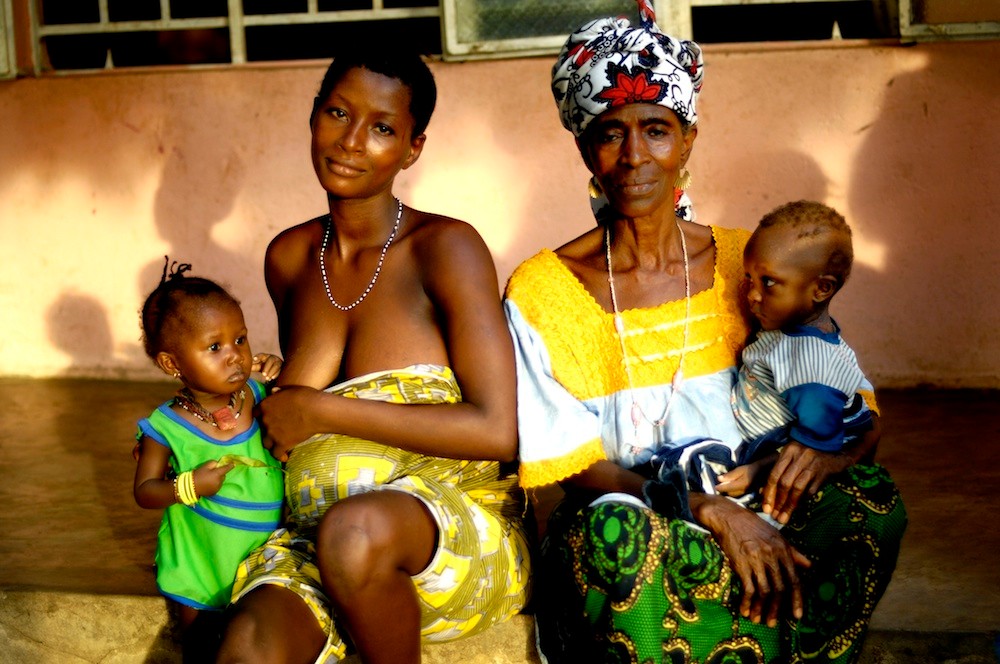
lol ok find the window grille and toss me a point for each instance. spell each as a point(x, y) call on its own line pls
point(95, 34)
point(491, 28)
point(949, 19)
point(8, 61)
point(105, 34)
point(485, 28)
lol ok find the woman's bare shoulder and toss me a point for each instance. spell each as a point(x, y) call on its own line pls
point(700, 238)
point(305, 233)
point(290, 249)
point(585, 252)
point(432, 233)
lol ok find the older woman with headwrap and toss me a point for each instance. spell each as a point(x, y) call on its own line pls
point(627, 340)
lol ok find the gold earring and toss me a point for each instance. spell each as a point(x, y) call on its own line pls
point(594, 188)
point(177, 374)
point(683, 180)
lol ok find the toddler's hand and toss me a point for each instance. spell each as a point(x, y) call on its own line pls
point(737, 481)
point(742, 479)
point(209, 476)
point(268, 365)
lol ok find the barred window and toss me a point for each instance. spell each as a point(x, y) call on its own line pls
point(105, 34)
point(949, 19)
point(73, 35)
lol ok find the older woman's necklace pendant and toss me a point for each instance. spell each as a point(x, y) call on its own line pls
point(637, 414)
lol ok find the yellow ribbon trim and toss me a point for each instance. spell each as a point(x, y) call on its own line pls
point(869, 398)
point(534, 474)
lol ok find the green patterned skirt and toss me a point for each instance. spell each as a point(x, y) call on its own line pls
point(618, 583)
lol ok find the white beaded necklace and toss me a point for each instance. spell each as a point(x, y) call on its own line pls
point(637, 413)
point(378, 267)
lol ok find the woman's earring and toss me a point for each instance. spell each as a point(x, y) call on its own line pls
point(594, 188)
point(683, 180)
point(177, 374)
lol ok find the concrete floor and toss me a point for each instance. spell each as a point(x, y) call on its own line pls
point(71, 526)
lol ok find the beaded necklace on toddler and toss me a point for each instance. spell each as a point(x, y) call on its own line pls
point(638, 415)
point(224, 419)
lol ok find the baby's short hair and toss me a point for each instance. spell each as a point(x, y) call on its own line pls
point(813, 219)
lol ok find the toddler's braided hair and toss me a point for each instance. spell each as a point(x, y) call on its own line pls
point(163, 303)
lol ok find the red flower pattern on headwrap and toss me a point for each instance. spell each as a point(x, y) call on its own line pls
point(631, 89)
point(609, 63)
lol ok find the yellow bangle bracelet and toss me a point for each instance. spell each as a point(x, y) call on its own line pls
point(192, 497)
point(182, 488)
point(186, 489)
point(192, 494)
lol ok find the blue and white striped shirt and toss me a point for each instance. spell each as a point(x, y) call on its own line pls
point(804, 380)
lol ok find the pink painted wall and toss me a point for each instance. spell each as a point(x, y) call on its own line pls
point(102, 175)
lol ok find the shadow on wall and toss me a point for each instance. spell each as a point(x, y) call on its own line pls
point(200, 180)
point(78, 326)
point(920, 209)
point(768, 180)
point(195, 195)
point(524, 164)
point(66, 151)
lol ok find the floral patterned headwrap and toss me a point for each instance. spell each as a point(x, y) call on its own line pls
point(609, 63)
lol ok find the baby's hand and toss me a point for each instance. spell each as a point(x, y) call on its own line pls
point(742, 479)
point(209, 476)
point(269, 366)
point(737, 481)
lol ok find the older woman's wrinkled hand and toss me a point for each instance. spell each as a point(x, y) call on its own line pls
point(799, 471)
point(764, 561)
point(285, 418)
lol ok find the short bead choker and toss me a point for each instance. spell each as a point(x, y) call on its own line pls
point(378, 267)
point(223, 419)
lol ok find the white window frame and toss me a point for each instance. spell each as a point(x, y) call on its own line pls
point(673, 17)
point(910, 30)
point(236, 22)
point(8, 55)
point(668, 13)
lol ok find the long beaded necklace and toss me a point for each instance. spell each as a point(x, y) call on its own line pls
point(637, 413)
point(378, 267)
point(223, 419)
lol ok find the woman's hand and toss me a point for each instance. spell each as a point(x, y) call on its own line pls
point(799, 471)
point(285, 418)
point(765, 562)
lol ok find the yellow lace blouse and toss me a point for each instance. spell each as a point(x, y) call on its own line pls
point(574, 398)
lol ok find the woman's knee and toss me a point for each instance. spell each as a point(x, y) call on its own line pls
point(367, 536)
point(270, 624)
point(347, 545)
point(242, 630)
